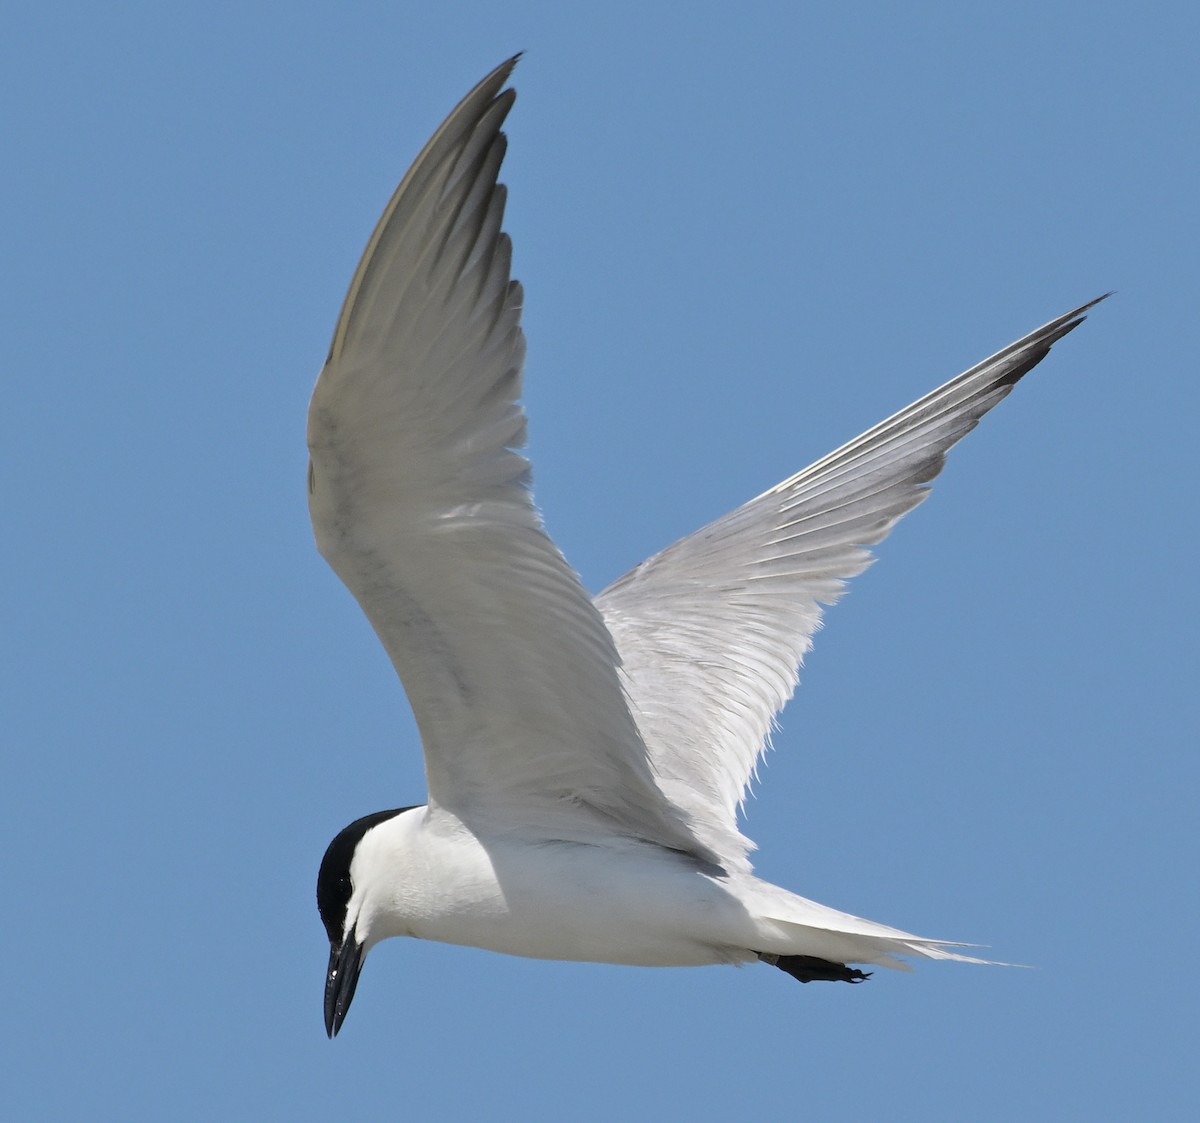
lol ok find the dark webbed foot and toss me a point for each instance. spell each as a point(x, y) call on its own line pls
point(808, 968)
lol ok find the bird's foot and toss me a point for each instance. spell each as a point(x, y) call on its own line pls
point(808, 968)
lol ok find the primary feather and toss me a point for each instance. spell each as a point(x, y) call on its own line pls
point(421, 503)
point(712, 631)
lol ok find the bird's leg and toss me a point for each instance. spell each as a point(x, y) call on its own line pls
point(807, 968)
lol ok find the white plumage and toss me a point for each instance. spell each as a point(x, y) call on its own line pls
point(586, 759)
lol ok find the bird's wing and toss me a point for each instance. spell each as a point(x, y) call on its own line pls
point(712, 631)
point(421, 503)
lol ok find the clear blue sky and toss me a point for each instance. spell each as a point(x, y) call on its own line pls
point(745, 236)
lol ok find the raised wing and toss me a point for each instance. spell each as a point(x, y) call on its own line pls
point(421, 504)
point(712, 631)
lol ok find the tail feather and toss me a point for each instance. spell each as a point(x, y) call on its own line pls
point(793, 925)
point(936, 949)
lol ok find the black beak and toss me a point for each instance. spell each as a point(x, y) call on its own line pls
point(345, 965)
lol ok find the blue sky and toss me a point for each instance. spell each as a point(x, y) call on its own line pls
point(745, 235)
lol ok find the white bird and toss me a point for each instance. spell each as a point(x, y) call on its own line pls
point(586, 758)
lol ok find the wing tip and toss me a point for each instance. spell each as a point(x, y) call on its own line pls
point(1046, 337)
point(501, 74)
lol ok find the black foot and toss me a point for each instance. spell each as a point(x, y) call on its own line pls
point(808, 968)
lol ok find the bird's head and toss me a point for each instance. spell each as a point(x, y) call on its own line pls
point(340, 902)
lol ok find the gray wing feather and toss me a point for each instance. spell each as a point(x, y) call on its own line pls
point(420, 501)
point(712, 631)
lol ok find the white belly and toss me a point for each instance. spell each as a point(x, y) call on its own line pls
point(625, 902)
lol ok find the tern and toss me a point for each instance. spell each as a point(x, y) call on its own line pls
point(586, 758)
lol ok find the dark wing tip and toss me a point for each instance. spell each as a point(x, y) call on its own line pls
point(1053, 332)
point(502, 72)
point(1012, 377)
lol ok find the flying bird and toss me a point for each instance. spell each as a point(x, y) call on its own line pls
point(586, 757)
